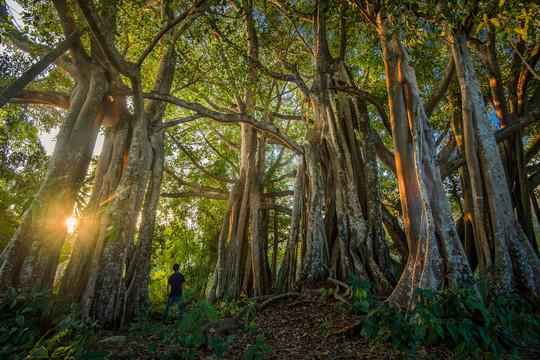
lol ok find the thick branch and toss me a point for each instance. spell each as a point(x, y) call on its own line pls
point(12, 89)
point(373, 100)
point(442, 87)
point(56, 99)
point(106, 40)
point(274, 206)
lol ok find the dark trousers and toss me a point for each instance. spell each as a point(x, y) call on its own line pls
point(179, 301)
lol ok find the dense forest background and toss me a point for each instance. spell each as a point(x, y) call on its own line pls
point(269, 147)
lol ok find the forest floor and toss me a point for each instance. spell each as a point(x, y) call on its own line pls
point(305, 327)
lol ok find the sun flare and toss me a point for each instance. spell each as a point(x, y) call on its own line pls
point(71, 223)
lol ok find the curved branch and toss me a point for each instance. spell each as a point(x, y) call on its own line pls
point(51, 98)
point(372, 99)
point(227, 118)
point(197, 165)
point(165, 29)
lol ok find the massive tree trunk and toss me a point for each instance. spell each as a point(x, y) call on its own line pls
point(466, 222)
point(343, 181)
point(511, 149)
point(30, 259)
point(231, 265)
point(435, 250)
point(87, 249)
point(245, 203)
point(108, 270)
point(507, 260)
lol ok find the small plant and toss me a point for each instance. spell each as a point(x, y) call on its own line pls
point(362, 297)
point(326, 293)
point(257, 351)
point(227, 309)
point(327, 325)
point(252, 328)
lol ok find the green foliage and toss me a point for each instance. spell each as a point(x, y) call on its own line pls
point(455, 316)
point(22, 161)
point(185, 335)
point(326, 293)
point(226, 308)
point(362, 298)
point(258, 350)
point(20, 330)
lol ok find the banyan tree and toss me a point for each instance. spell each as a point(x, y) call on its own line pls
point(396, 141)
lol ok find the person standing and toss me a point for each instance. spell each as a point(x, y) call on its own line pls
point(175, 288)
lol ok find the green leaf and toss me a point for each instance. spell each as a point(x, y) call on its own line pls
point(219, 346)
point(40, 353)
point(495, 22)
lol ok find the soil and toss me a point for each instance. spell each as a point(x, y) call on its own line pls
point(304, 327)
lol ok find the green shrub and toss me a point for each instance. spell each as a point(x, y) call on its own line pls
point(456, 316)
point(20, 332)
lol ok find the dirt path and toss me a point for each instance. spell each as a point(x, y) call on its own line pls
point(306, 327)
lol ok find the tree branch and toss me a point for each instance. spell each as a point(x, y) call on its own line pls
point(228, 118)
point(195, 194)
point(106, 41)
point(172, 123)
point(12, 89)
point(194, 186)
point(442, 87)
point(196, 163)
point(168, 26)
point(372, 99)
point(274, 206)
point(52, 98)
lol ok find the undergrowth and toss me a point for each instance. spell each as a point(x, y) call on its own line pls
point(456, 316)
point(24, 336)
